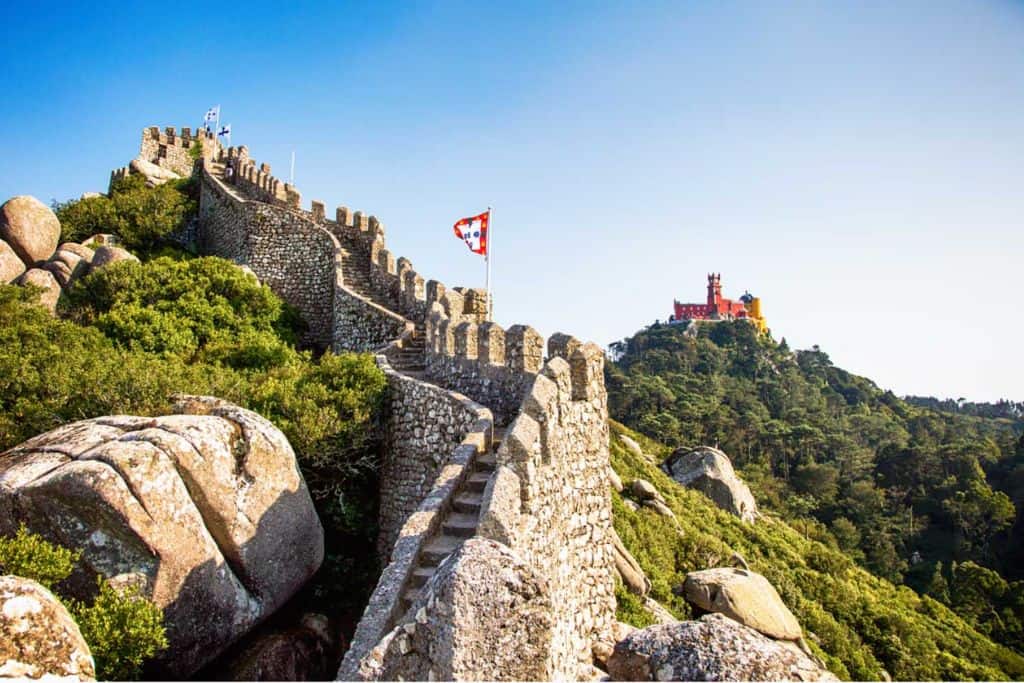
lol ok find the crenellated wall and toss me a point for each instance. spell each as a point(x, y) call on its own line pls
point(549, 500)
point(546, 503)
point(174, 151)
point(481, 359)
point(293, 256)
point(256, 181)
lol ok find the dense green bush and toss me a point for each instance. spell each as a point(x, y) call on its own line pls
point(858, 623)
point(122, 628)
point(200, 310)
point(142, 217)
point(32, 557)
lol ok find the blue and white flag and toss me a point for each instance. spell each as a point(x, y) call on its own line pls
point(212, 114)
point(225, 130)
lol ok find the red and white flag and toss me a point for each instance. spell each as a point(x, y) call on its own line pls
point(473, 231)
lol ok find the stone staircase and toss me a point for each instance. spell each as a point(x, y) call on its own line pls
point(355, 269)
point(411, 358)
point(459, 523)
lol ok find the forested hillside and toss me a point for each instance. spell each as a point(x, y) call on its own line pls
point(925, 497)
point(859, 623)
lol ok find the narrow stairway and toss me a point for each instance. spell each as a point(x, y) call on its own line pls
point(411, 359)
point(459, 523)
point(355, 270)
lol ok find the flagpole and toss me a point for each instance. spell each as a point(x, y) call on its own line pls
point(487, 258)
point(291, 176)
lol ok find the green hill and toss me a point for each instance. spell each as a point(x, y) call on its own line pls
point(915, 493)
point(859, 623)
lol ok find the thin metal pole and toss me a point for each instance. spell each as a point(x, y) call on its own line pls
point(490, 231)
point(291, 175)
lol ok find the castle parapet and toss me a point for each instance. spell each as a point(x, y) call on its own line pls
point(177, 151)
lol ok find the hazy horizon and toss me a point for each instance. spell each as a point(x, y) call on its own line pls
point(857, 167)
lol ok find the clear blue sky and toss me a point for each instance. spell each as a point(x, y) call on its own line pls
point(857, 165)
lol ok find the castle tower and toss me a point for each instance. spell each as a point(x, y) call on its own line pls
point(714, 290)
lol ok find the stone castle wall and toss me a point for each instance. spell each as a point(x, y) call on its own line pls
point(425, 425)
point(293, 256)
point(174, 151)
point(549, 500)
point(547, 504)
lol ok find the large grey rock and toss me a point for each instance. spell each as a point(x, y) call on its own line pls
point(66, 266)
point(38, 637)
point(30, 228)
point(745, 596)
point(154, 175)
point(50, 287)
point(11, 265)
point(104, 256)
point(709, 470)
point(714, 648)
point(484, 615)
point(304, 651)
point(632, 445)
point(80, 250)
point(205, 511)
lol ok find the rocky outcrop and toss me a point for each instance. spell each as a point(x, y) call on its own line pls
point(205, 511)
point(43, 279)
point(306, 651)
point(714, 648)
point(104, 256)
point(745, 596)
point(154, 175)
point(709, 470)
point(80, 250)
point(38, 637)
point(484, 615)
point(66, 266)
point(30, 228)
point(629, 569)
point(650, 497)
point(632, 445)
point(11, 265)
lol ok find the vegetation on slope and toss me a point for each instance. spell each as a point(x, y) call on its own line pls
point(857, 622)
point(143, 218)
point(915, 495)
point(131, 335)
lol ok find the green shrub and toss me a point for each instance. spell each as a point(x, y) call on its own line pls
point(141, 216)
point(200, 310)
point(83, 218)
point(123, 630)
point(32, 557)
point(121, 627)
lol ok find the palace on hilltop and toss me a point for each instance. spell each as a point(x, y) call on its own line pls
point(718, 308)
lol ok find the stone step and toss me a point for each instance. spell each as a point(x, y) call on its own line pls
point(421, 575)
point(414, 374)
point(409, 597)
point(460, 524)
point(436, 550)
point(477, 481)
point(486, 463)
point(468, 502)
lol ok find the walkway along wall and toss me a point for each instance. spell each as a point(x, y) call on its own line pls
point(545, 508)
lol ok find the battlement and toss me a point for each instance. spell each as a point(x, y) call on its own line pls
point(256, 181)
point(176, 150)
